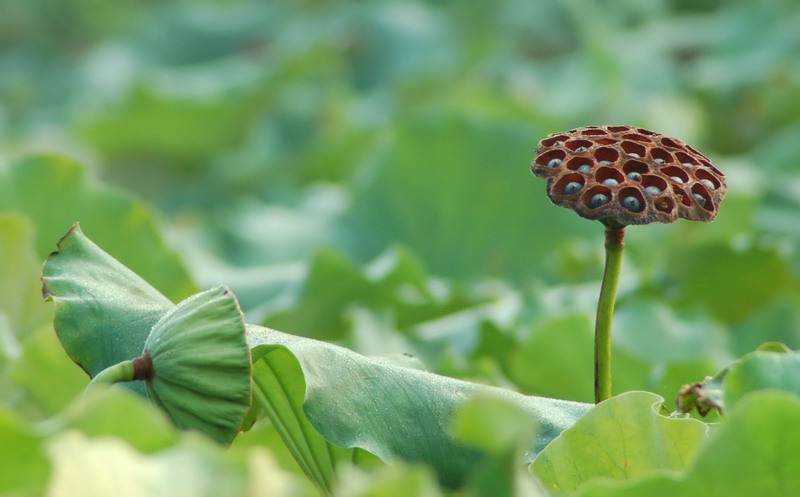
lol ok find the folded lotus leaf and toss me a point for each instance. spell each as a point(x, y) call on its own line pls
point(200, 364)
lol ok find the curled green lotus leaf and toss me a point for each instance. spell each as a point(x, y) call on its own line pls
point(197, 366)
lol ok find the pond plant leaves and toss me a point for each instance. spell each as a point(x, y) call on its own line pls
point(762, 370)
point(104, 313)
point(622, 438)
point(755, 451)
point(25, 468)
point(52, 191)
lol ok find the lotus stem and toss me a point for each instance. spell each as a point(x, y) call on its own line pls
point(615, 244)
point(123, 371)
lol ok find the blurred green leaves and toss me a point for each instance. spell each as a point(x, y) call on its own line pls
point(456, 192)
point(54, 192)
point(732, 283)
point(25, 468)
point(20, 293)
point(357, 172)
point(761, 371)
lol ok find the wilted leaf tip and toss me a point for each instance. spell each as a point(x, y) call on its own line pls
point(46, 293)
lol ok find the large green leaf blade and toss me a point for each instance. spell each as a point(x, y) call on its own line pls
point(621, 438)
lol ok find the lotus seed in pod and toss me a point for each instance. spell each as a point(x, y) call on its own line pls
point(635, 176)
point(653, 190)
point(572, 187)
point(632, 204)
point(584, 168)
point(700, 199)
point(598, 200)
point(676, 179)
point(708, 183)
point(554, 163)
point(610, 182)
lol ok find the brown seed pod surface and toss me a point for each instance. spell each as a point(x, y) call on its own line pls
point(624, 175)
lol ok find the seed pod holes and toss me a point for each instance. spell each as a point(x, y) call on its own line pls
point(670, 178)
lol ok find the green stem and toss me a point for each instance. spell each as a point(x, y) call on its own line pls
point(124, 371)
point(605, 310)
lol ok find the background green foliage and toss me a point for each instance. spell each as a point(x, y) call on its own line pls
point(358, 172)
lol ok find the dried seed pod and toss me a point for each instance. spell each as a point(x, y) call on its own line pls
point(624, 175)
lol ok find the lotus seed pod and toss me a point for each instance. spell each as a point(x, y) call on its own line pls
point(200, 365)
point(628, 175)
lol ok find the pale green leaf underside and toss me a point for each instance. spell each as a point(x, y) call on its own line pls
point(279, 389)
point(398, 412)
